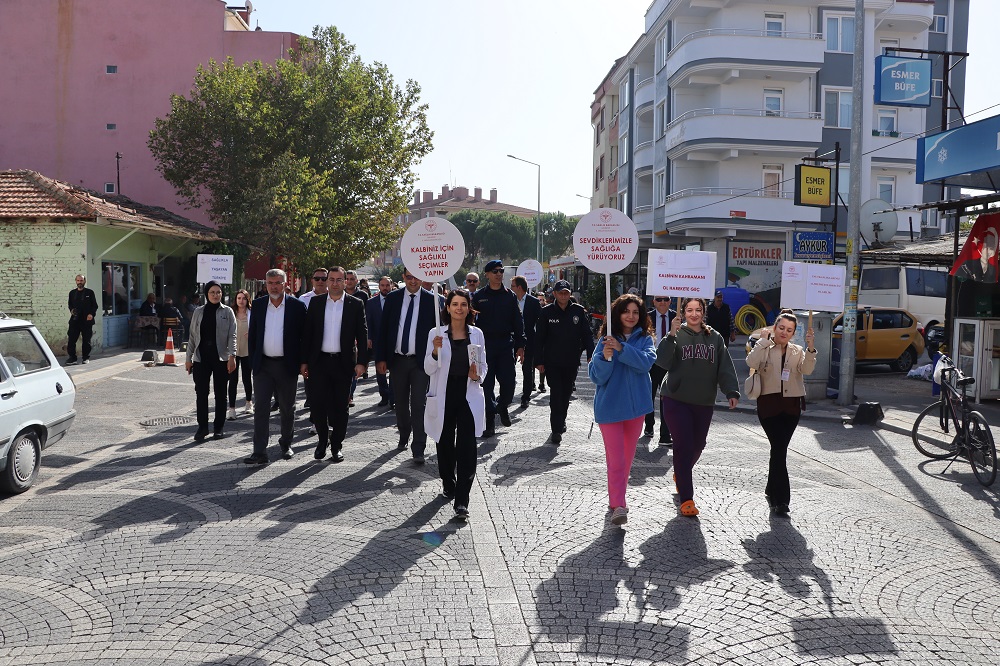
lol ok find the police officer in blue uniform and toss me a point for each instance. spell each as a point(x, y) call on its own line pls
point(503, 327)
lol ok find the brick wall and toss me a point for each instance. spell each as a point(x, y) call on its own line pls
point(38, 260)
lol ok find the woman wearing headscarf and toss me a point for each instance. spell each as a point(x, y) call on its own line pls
point(211, 356)
point(781, 365)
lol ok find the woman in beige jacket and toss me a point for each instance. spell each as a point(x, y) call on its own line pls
point(781, 366)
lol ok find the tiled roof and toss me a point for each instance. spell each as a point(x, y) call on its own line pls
point(29, 194)
point(938, 251)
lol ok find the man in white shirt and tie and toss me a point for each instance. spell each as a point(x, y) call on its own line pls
point(661, 316)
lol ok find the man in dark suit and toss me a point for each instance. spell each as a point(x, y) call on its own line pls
point(82, 310)
point(402, 341)
point(336, 353)
point(661, 315)
point(373, 312)
point(530, 309)
point(275, 342)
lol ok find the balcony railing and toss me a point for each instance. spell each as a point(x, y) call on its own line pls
point(730, 192)
point(754, 113)
point(741, 32)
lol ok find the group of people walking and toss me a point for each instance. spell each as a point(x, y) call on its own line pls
point(441, 380)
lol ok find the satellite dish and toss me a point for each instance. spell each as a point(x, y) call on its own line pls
point(877, 228)
point(249, 7)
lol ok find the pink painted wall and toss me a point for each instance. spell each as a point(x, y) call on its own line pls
point(56, 99)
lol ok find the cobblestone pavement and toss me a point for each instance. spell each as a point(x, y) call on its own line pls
point(138, 546)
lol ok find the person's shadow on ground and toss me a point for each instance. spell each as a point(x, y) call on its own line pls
point(782, 555)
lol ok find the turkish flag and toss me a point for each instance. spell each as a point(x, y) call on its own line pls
point(978, 258)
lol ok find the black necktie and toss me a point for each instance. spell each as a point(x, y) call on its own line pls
point(405, 345)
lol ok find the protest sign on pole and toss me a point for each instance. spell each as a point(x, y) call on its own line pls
point(218, 267)
point(432, 249)
point(812, 287)
point(605, 241)
point(680, 273)
point(532, 272)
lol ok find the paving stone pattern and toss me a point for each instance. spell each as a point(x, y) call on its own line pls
point(139, 546)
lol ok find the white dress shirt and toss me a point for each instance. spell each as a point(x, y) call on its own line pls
point(332, 319)
point(409, 300)
point(305, 298)
point(274, 328)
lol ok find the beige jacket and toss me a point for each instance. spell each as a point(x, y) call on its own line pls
point(798, 361)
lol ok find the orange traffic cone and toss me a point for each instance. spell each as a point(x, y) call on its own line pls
point(168, 354)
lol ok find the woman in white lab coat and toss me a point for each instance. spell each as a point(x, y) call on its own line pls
point(455, 414)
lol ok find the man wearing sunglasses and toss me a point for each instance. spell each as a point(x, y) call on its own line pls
point(320, 281)
point(472, 282)
point(503, 327)
point(661, 315)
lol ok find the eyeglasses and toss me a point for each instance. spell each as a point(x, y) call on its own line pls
point(661, 299)
point(215, 292)
point(471, 280)
point(496, 270)
point(319, 279)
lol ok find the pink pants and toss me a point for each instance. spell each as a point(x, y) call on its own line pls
point(620, 439)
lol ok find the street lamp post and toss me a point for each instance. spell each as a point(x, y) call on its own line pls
point(538, 223)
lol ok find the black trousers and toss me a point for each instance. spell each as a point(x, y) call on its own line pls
point(409, 387)
point(656, 375)
point(500, 362)
point(273, 379)
point(456, 450)
point(329, 390)
point(243, 368)
point(779, 430)
point(527, 378)
point(212, 370)
point(561, 379)
point(80, 328)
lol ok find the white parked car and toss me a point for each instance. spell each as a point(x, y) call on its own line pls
point(36, 402)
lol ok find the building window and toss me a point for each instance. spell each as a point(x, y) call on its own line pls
point(888, 45)
point(612, 202)
point(623, 201)
point(837, 108)
point(597, 135)
point(111, 69)
point(844, 184)
point(109, 188)
point(660, 120)
point(663, 47)
point(120, 288)
point(623, 151)
point(937, 87)
point(112, 126)
point(773, 175)
point(886, 189)
point(774, 24)
point(613, 160)
point(623, 94)
point(886, 122)
point(939, 24)
point(840, 33)
point(773, 101)
point(660, 188)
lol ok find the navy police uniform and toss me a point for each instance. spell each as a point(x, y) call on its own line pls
point(560, 336)
point(503, 327)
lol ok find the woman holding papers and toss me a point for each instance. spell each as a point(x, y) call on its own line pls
point(456, 405)
point(698, 364)
point(620, 369)
point(781, 365)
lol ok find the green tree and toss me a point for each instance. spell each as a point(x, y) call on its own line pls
point(310, 157)
point(557, 234)
point(492, 234)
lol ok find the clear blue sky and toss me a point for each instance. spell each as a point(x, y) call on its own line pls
point(518, 77)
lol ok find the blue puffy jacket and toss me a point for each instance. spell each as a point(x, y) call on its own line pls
point(624, 390)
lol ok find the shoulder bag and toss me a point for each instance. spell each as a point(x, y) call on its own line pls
point(752, 385)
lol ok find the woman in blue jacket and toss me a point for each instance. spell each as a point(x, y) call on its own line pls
point(620, 369)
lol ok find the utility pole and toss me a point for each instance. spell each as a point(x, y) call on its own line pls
point(848, 349)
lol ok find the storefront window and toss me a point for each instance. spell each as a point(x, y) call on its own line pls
point(120, 288)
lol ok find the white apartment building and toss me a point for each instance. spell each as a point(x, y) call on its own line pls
point(719, 100)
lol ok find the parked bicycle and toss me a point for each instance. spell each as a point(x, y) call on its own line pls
point(950, 428)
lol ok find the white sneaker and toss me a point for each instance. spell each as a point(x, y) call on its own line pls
point(619, 516)
point(248, 408)
point(232, 412)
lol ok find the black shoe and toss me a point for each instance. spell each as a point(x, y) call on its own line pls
point(256, 460)
point(218, 434)
point(489, 432)
point(556, 438)
point(402, 446)
point(201, 434)
point(418, 460)
point(336, 456)
point(780, 509)
point(384, 402)
point(524, 403)
point(274, 407)
point(287, 453)
point(648, 432)
point(71, 361)
point(665, 438)
point(541, 388)
point(320, 452)
point(504, 417)
point(392, 405)
point(461, 511)
point(561, 430)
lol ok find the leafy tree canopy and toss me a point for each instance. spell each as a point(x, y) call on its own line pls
point(310, 157)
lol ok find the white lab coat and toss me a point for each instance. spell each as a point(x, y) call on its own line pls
point(434, 418)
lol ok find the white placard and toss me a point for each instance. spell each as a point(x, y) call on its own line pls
point(432, 249)
point(683, 273)
point(605, 240)
point(817, 287)
point(218, 267)
point(532, 272)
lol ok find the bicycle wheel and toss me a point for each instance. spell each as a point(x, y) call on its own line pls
point(933, 435)
point(982, 450)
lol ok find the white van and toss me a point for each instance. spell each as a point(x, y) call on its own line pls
point(919, 289)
